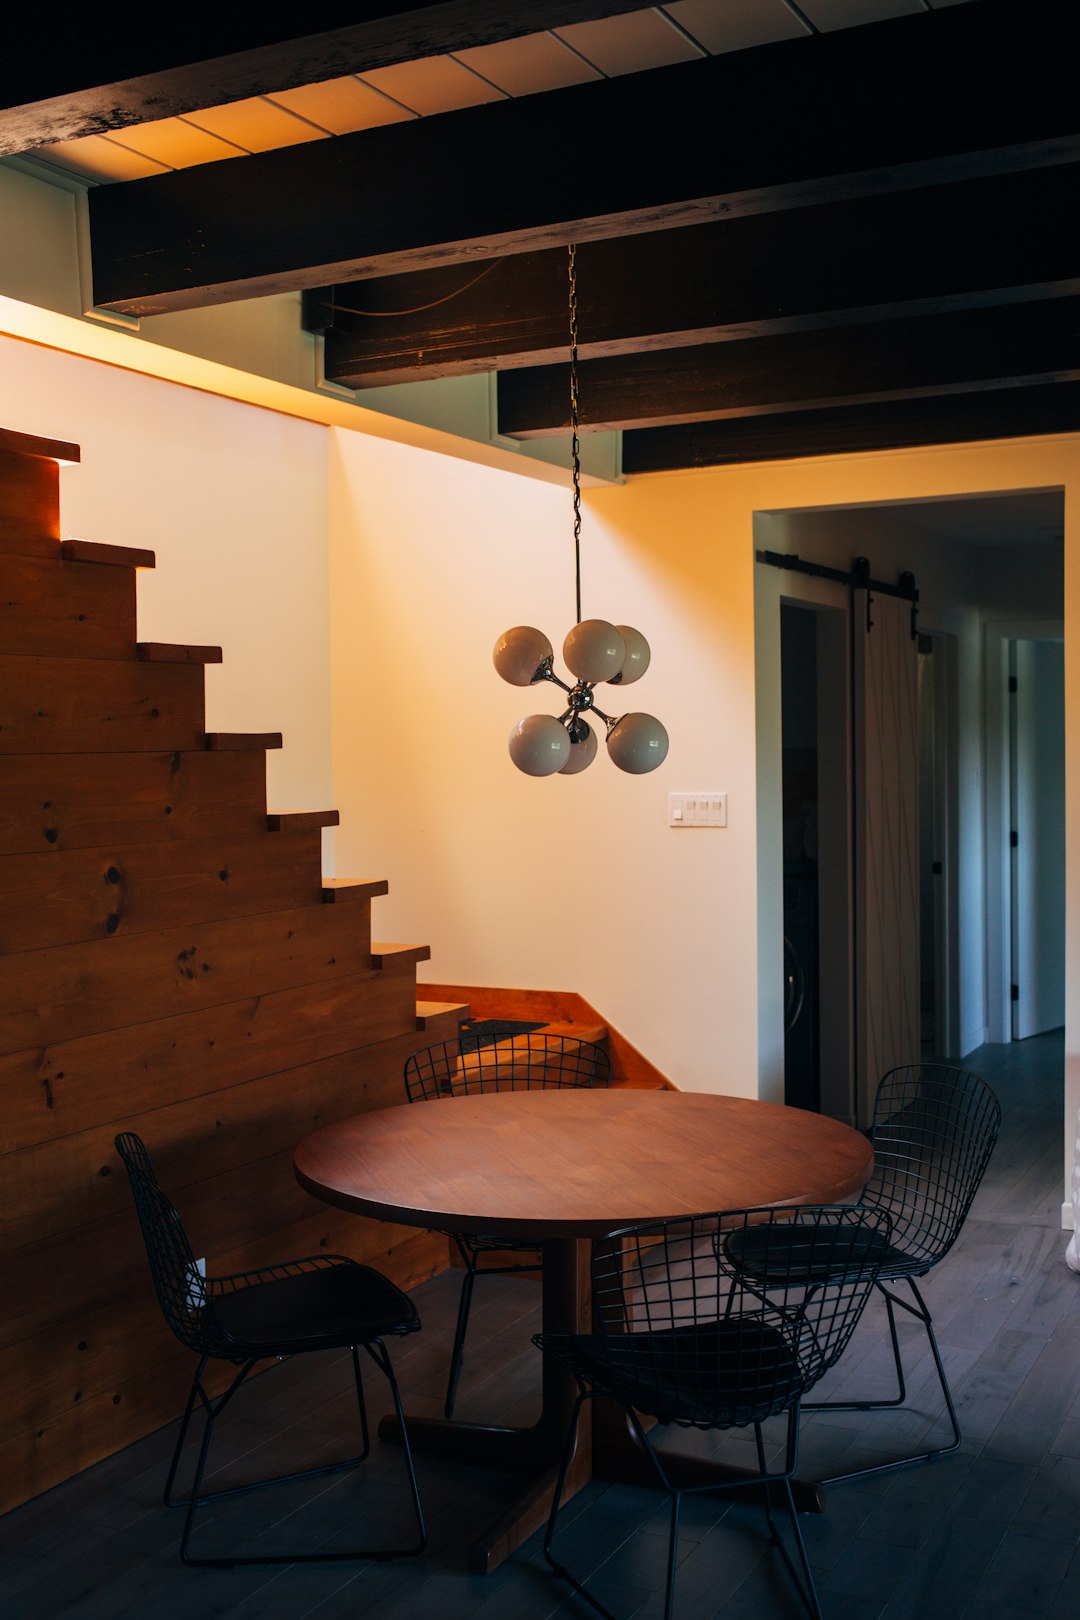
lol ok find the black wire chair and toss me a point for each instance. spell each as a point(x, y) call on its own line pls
point(521, 1062)
point(682, 1337)
point(933, 1133)
point(321, 1302)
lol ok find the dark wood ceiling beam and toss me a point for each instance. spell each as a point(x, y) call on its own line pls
point(983, 348)
point(910, 101)
point(897, 424)
point(97, 75)
point(1006, 238)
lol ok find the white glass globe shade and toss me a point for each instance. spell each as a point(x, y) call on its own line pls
point(594, 650)
point(637, 743)
point(539, 745)
point(637, 657)
point(519, 653)
point(582, 753)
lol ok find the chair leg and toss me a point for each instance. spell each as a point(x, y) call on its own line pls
point(167, 1496)
point(212, 1410)
point(920, 1310)
point(458, 1352)
point(362, 1404)
point(380, 1356)
point(805, 1585)
point(561, 1570)
point(673, 1550)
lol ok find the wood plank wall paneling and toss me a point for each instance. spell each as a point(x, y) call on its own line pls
point(52, 705)
point(83, 801)
point(168, 965)
point(71, 990)
point(56, 1090)
point(66, 610)
point(61, 897)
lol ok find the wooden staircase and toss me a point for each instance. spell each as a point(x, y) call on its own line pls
point(173, 962)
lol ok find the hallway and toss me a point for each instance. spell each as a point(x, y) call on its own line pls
point(992, 1531)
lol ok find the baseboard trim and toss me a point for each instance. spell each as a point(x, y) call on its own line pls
point(974, 1038)
point(1068, 1221)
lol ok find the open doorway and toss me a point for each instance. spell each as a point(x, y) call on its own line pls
point(975, 558)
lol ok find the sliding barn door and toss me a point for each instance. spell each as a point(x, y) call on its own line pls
point(886, 827)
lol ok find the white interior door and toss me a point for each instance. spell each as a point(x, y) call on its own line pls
point(1038, 829)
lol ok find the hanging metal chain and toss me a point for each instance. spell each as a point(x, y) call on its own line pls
point(575, 446)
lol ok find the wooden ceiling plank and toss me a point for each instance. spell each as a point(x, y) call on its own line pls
point(155, 65)
point(892, 425)
point(925, 355)
point(798, 122)
point(977, 242)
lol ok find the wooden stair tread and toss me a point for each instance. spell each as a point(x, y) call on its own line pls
point(90, 551)
point(426, 1011)
point(596, 1033)
point(336, 890)
point(220, 742)
point(28, 444)
point(301, 820)
point(168, 652)
point(384, 954)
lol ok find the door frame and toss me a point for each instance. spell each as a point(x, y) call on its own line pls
point(997, 635)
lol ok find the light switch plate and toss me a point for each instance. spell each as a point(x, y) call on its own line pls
point(697, 810)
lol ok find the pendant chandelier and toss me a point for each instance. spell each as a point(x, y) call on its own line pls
point(595, 652)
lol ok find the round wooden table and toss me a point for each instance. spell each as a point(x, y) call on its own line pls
point(567, 1166)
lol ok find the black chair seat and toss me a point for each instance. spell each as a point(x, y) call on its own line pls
point(712, 1375)
point(760, 1254)
point(329, 1308)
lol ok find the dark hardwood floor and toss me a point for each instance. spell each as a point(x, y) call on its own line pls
point(992, 1531)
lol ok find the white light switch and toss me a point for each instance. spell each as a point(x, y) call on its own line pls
point(697, 810)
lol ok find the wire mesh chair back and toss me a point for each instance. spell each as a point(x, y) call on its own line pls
point(683, 1336)
point(934, 1131)
point(523, 1062)
point(178, 1283)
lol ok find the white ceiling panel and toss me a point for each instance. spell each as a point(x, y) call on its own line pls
point(97, 158)
point(341, 105)
point(256, 124)
point(176, 143)
point(435, 84)
point(524, 66)
point(734, 25)
point(630, 43)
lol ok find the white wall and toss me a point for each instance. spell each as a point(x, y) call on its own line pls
point(572, 883)
point(233, 501)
